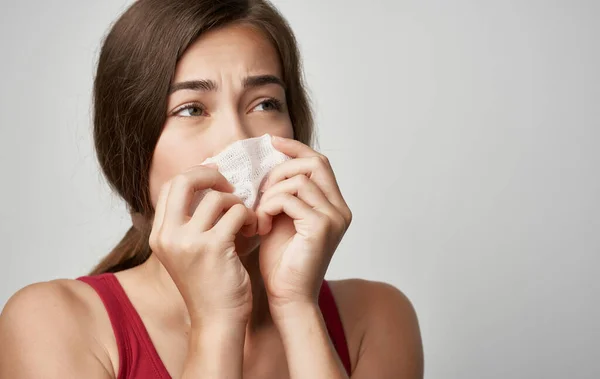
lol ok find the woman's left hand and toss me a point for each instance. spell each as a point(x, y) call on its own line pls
point(302, 218)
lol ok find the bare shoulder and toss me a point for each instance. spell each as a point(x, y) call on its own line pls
point(362, 302)
point(51, 326)
point(381, 327)
point(55, 303)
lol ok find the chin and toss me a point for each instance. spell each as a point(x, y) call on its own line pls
point(246, 245)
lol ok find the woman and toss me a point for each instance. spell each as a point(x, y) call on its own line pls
point(226, 291)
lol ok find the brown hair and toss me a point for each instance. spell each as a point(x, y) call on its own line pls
point(135, 69)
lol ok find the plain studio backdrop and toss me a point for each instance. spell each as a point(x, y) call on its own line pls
point(464, 135)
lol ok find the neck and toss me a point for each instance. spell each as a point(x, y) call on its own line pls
point(165, 288)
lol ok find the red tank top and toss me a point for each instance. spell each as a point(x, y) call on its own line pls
point(138, 358)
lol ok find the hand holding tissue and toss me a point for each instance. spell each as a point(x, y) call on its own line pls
point(245, 164)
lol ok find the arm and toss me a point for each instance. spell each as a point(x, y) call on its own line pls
point(382, 332)
point(43, 335)
point(215, 351)
point(309, 351)
point(294, 254)
point(390, 345)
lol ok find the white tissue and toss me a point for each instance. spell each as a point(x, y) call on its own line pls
point(245, 164)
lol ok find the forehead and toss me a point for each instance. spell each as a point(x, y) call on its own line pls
point(231, 50)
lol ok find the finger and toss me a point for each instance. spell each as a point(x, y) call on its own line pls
point(209, 165)
point(307, 191)
point(317, 169)
point(292, 147)
point(303, 188)
point(249, 230)
point(234, 219)
point(286, 203)
point(250, 227)
point(159, 211)
point(185, 185)
point(211, 207)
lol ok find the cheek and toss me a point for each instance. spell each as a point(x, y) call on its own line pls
point(245, 245)
point(288, 132)
point(282, 129)
point(172, 155)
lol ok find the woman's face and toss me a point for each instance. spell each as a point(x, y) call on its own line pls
point(227, 87)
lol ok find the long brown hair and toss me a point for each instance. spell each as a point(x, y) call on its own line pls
point(135, 69)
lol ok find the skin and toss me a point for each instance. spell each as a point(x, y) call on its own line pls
point(259, 312)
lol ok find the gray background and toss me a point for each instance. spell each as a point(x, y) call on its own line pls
point(464, 136)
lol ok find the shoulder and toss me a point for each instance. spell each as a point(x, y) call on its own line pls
point(58, 317)
point(55, 301)
point(362, 302)
point(355, 293)
point(381, 326)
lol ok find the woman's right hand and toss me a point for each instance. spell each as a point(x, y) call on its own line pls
point(198, 251)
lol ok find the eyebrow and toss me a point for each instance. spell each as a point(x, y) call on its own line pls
point(262, 80)
point(205, 85)
point(194, 85)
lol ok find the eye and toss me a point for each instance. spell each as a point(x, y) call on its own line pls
point(189, 110)
point(269, 105)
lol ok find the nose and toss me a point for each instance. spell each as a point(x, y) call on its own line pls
point(233, 128)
